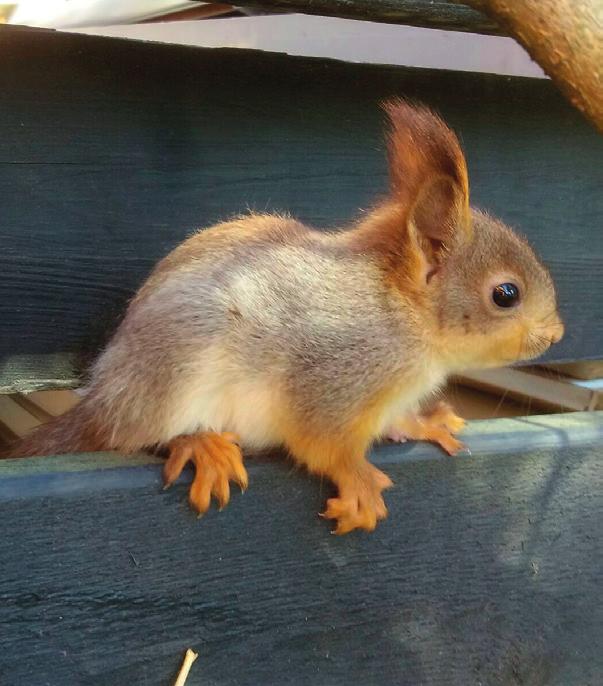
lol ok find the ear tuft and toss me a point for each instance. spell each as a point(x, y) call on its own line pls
point(428, 172)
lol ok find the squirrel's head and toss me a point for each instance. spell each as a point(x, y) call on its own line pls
point(494, 299)
point(489, 299)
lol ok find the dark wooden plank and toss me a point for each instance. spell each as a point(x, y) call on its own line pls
point(113, 151)
point(487, 571)
point(26, 373)
point(429, 14)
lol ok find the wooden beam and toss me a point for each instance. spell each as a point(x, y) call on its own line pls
point(487, 570)
point(206, 11)
point(29, 406)
point(586, 369)
point(7, 435)
point(438, 14)
point(17, 419)
point(52, 403)
point(27, 373)
point(540, 388)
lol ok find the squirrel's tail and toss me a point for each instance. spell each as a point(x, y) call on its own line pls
point(74, 431)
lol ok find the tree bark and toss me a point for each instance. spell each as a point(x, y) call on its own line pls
point(565, 37)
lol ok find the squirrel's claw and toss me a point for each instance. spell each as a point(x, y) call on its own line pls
point(360, 504)
point(217, 459)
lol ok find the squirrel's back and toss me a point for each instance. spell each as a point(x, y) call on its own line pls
point(239, 327)
point(269, 304)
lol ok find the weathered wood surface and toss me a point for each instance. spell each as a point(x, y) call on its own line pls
point(487, 571)
point(113, 151)
point(26, 373)
point(430, 14)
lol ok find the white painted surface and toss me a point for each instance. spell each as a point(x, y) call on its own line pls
point(344, 39)
point(72, 13)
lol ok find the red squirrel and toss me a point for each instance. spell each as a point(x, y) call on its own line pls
point(263, 332)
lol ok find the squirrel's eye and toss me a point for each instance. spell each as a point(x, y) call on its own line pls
point(505, 295)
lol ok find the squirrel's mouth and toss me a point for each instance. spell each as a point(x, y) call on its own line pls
point(537, 344)
point(541, 338)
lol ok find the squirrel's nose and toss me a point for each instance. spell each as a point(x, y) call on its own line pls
point(556, 331)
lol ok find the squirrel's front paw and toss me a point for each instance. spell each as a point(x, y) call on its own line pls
point(360, 503)
point(439, 425)
point(217, 459)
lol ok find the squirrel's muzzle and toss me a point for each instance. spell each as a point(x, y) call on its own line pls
point(554, 332)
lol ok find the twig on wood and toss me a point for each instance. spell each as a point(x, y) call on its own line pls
point(187, 663)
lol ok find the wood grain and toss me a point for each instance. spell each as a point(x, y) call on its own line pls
point(438, 14)
point(536, 385)
point(486, 571)
point(113, 151)
point(588, 369)
point(27, 373)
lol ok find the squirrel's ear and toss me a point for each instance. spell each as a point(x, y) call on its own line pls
point(428, 176)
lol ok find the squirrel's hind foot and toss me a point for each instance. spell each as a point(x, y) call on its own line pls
point(217, 459)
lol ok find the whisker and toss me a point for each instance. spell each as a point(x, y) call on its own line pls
point(500, 402)
point(522, 344)
point(529, 406)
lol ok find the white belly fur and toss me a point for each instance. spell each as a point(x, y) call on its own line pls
point(228, 399)
point(413, 390)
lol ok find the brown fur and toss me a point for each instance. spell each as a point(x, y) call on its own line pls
point(74, 431)
point(318, 342)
